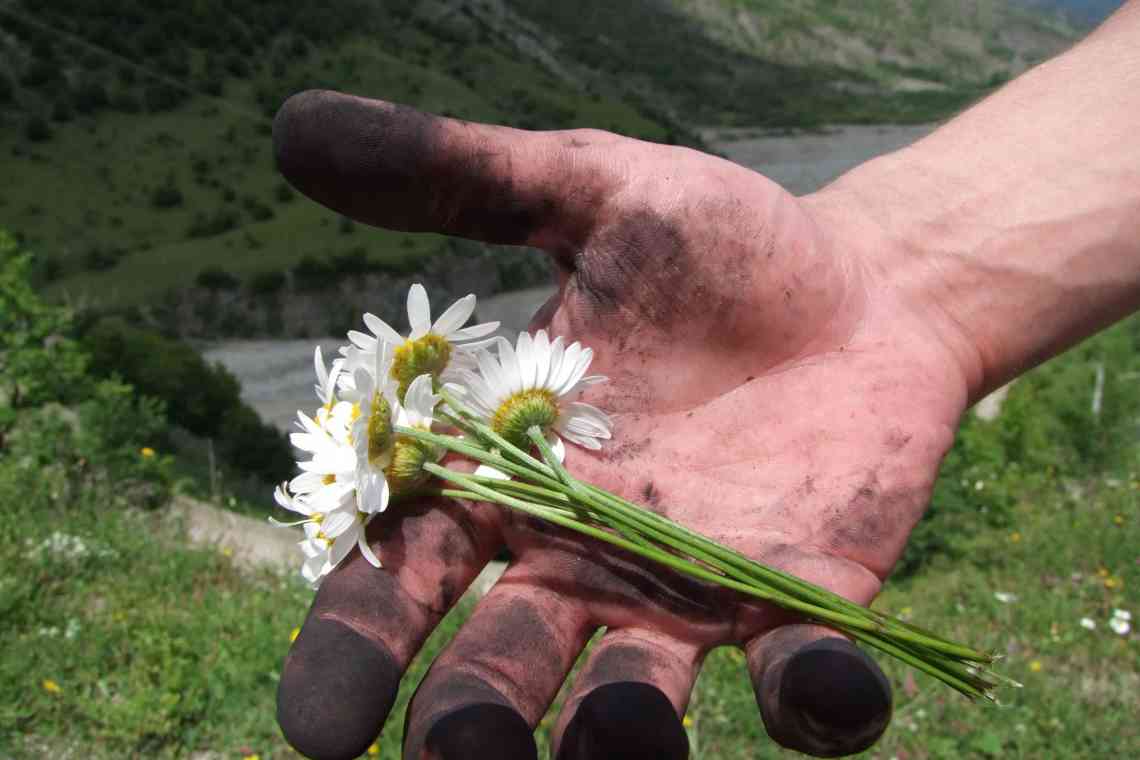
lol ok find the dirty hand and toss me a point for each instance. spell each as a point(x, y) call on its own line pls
point(770, 387)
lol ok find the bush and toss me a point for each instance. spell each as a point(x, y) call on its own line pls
point(207, 225)
point(90, 96)
point(37, 130)
point(352, 262)
point(38, 361)
point(217, 279)
point(6, 89)
point(282, 192)
point(257, 210)
point(162, 97)
point(312, 273)
point(166, 195)
point(266, 283)
point(99, 259)
point(203, 399)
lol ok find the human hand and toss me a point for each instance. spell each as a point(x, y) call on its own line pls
point(771, 388)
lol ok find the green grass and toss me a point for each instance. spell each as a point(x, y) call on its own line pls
point(159, 650)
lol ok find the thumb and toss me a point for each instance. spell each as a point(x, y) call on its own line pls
point(396, 167)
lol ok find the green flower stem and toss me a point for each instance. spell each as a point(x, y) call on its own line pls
point(788, 583)
point(680, 565)
point(546, 490)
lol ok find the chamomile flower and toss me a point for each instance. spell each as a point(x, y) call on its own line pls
point(432, 348)
point(537, 382)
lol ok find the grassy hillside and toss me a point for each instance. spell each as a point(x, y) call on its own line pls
point(134, 136)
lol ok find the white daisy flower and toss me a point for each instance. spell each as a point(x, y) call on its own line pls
point(330, 533)
point(444, 346)
point(1120, 626)
point(330, 476)
point(1005, 597)
point(1122, 614)
point(537, 382)
point(1088, 623)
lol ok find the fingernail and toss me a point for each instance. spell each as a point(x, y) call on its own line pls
point(626, 719)
point(828, 699)
point(482, 730)
point(335, 692)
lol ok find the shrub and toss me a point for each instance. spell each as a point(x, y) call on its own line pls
point(257, 210)
point(99, 259)
point(90, 96)
point(282, 192)
point(207, 225)
point(166, 195)
point(352, 262)
point(266, 283)
point(37, 130)
point(312, 273)
point(217, 279)
point(38, 361)
point(162, 97)
point(6, 89)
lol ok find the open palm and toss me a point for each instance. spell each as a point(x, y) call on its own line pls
point(769, 389)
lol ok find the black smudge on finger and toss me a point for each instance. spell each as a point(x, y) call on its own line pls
point(828, 699)
point(626, 719)
point(336, 690)
point(394, 166)
point(445, 693)
point(480, 730)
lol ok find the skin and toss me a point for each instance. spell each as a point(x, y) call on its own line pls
point(786, 376)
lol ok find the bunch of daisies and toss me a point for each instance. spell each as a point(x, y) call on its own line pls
point(392, 405)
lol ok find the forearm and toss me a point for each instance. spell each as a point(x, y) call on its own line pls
point(1017, 224)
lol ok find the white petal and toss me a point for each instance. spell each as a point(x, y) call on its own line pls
point(474, 331)
point(362, 341)
point(577, 411)
point(374, 494)
point(510, 363)
point(488, 471)
point(337, 523)
point(455, 316)
point(493, 374)
point(419, 311)
point(585, 441)
point(382, 330)
point(527, 365)
point(569, 361)
point(366, 550)
point(540, 351)
point(557, 352)
point(476, 345)
point(557, 446)
point(345, 544)
point(319, 366)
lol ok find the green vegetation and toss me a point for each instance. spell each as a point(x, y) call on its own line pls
point(136, 136)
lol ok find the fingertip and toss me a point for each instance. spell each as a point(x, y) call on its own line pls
point(482, 729)
point(336, 690)
point(828, 699)
point(625, 719)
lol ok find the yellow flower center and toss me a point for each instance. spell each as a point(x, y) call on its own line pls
point(406, 470)
point(328, 480)
point(379, 431)
point(428, 355)
point(521, 410)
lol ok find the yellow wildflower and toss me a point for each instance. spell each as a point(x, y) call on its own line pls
point(147, 452)
point(374, 750)
point(687, 722)
point(1035, 666)
point(1014, 537)
point(293, 634)
point(51, 686)
point(1118, 519)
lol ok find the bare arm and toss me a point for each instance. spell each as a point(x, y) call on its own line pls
point(1017, 224)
